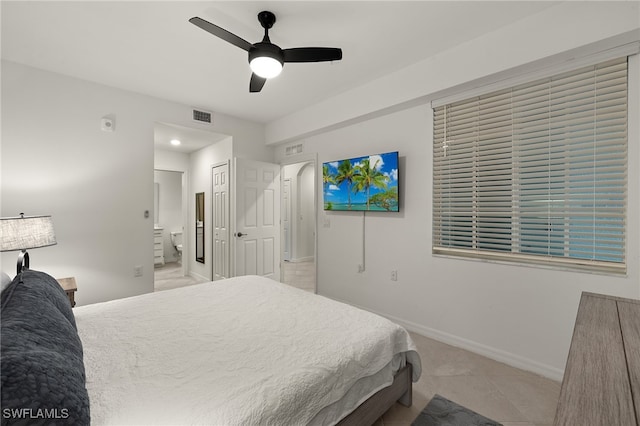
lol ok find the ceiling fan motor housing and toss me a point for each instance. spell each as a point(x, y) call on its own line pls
point(266, 49)
point(267, 19)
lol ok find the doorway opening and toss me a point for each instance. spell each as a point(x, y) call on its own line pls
point(168, 219)
point(299, 225)
point(190, 153)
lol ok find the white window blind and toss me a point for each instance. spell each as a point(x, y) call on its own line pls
point(537, 172)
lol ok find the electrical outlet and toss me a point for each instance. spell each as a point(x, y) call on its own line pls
point(394, 275)
point(360, 268)
point(137, 271)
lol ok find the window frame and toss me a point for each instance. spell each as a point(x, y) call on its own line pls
point(516, 254)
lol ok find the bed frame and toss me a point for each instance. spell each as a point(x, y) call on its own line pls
point(370, 410)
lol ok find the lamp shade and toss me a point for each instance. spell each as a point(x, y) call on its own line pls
point(26, 232)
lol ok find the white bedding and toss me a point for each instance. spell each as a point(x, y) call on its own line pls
point(242, 351)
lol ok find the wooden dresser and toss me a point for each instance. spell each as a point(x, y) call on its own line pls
point(601, 383)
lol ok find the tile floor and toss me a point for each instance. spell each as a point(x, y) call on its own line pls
point(297, 274)
point(300, 274)
point(170, 276)
point(502, 393)
point(505, 394)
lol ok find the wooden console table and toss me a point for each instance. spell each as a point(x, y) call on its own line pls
point(601, 383)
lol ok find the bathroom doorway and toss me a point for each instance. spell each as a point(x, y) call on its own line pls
point(169, 218)
point(190, 151)
point(298, 233)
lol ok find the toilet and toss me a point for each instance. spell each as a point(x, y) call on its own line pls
point(176, 240)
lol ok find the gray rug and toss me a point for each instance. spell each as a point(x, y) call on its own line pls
point(442, 412)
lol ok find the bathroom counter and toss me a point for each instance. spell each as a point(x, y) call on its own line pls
point(158, 246)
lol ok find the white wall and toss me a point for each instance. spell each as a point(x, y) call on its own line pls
point(97, 185)
point(171, 160)
point(553, 31)
point(517, 314)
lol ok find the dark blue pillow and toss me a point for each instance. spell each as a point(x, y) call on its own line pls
point(43, 378)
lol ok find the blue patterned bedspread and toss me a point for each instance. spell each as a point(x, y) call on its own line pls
point(43, 377)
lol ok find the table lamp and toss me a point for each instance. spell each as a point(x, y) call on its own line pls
point(25, 232)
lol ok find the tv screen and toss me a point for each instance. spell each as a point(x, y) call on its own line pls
point(368, 183)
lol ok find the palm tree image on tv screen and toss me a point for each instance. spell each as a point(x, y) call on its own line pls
point(367, 183)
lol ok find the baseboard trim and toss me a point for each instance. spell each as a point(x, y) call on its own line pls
point(198, 276)
point(508, 358)
point(300, 259)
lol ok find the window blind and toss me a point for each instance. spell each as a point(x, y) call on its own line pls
point(536, 172)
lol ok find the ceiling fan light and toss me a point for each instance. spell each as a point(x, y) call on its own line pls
point(265, 66)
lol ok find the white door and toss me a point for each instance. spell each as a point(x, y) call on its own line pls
point(257, 218)
point(286, 215)
point(220, 208)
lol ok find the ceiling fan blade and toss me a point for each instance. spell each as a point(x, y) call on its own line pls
point(256, 83)
point(222, 33)
point(312, 54)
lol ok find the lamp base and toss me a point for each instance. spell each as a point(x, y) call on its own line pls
point(23, 262)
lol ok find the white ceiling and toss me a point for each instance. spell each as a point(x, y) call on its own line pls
point(150, 47)
point(190, 139)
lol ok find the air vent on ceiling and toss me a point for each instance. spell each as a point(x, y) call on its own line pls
point(202, 116)
point(293, 149)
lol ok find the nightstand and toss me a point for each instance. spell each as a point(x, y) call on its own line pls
point(69, 286)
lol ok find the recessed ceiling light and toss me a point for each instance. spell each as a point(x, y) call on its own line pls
point(175, 142)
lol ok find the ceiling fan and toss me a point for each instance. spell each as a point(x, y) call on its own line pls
point(265, 58)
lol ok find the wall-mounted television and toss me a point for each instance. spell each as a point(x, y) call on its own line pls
point(368, 183)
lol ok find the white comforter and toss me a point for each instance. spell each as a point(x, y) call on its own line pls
point(242, 351)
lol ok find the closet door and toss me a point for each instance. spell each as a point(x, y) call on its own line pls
point(220, 208)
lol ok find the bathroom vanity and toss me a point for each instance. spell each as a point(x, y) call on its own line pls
point(158, 246)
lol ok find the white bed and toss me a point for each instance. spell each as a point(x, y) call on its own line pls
point(242, 351)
